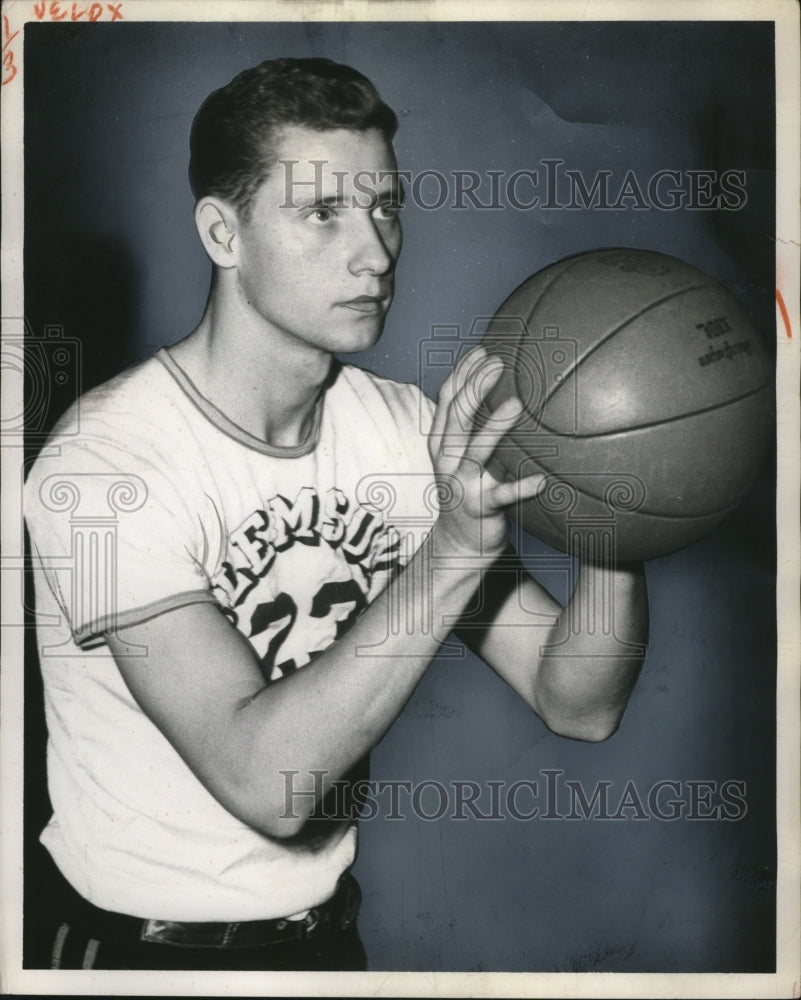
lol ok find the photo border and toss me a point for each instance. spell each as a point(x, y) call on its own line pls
point(786, 982)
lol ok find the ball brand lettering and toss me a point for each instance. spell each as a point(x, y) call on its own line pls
point(727, 351)
point(715, 327)
point(631, 263)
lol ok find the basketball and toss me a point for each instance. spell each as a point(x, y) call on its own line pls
point(646, 400)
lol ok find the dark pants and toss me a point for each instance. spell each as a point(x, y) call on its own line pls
point(67, 932)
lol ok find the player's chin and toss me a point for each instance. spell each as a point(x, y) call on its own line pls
point(360, 334)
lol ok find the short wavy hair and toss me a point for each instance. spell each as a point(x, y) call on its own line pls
point(234, 137)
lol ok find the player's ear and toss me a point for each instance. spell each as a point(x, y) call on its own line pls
point(216, 224)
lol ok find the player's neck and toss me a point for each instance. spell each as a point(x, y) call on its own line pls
point(267, 384)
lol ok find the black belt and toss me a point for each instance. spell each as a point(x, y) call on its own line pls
point(337, 914)
point(331, 917)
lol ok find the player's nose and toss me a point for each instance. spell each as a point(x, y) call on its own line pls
point(375, 249)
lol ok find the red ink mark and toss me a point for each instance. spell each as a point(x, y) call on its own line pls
point(7, 36)
point(53, 11)
point(95, 12)
point(783, 311)
point(9, 67)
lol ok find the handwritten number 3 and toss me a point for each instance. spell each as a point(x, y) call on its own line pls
point(9, 69)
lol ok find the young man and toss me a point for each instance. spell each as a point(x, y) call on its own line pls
point(230, 630)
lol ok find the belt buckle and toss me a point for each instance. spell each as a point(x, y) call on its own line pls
point(183, 935)
point(311, 921)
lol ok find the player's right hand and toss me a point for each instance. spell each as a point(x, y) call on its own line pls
point(472, 519)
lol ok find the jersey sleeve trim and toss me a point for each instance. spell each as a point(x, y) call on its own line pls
point(91, 634)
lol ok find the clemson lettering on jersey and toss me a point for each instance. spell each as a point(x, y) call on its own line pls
point(266, 590)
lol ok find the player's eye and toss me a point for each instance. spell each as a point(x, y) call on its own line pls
point(388, 210)
point(321, 214)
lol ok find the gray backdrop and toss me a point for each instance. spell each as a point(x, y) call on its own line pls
point(111, 256)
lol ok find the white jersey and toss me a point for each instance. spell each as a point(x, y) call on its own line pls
point(148, 498)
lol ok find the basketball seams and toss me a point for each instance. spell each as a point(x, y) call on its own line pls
point(568, 266)
point(611, 333)
point(543, 292)
point(663, 421)
point(546, 279)
point(554, 521)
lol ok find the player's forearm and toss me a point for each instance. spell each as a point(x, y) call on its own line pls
point(326, 716)
point(594, 653)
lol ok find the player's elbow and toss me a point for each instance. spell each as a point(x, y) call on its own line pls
point(589, 728)
point(267, 807)
point(586, 733)
point(597, 732)
point(282, 827)
point(276, 823)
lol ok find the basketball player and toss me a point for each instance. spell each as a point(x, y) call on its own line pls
point(234, 629)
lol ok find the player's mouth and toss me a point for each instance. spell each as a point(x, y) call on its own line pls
point(370, 304)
